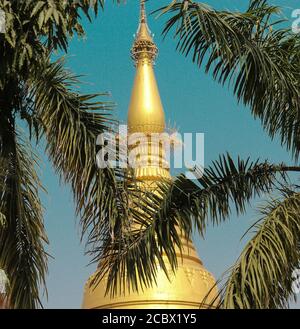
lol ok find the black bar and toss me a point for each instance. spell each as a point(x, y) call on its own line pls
point(143, 318)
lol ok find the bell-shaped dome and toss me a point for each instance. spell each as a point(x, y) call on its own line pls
point(191, 285)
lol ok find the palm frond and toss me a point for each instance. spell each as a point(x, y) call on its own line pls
point(136, 244)
point(263, 275)
point(56, 21)
point(71, 123)
point(245, 50)
point(22, 253)
point(225, 184)
point(2, 218)
point(35, 28)
point(174, 212)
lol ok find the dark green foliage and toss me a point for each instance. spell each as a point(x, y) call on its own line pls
point(44, 95)
point(263, 275)
point(248, 52)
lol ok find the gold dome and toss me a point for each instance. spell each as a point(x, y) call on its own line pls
point(191, 282)
point(185, 290)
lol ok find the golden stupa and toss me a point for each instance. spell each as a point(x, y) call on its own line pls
point(192, 282)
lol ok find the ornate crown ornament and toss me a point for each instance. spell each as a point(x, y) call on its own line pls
point(144, 47)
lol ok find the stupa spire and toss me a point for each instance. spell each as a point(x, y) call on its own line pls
point(190, 284)
point(143, 15)
point(146, 113)
point(144, 48)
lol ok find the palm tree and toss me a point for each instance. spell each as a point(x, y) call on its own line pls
point(262, 63)
point(246, 51)
point(244, 48)
point(43, 95)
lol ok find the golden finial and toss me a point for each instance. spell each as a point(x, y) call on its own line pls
point(143, 47)
point(143, 16)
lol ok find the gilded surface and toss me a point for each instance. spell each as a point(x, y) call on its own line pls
point(192, 282)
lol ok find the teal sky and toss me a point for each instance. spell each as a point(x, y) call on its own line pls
point(193, 102)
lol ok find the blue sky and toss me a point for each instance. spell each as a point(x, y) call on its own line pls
point(193, 102)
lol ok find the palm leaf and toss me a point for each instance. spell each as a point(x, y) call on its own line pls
point(22, 236)
point(175, 211)
point(71, 124)
point(263, 275)
point(33, 90)
point(245, 50)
